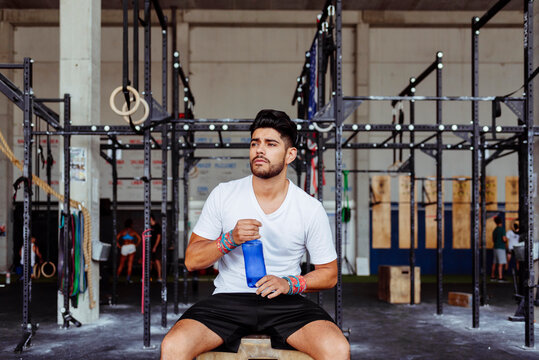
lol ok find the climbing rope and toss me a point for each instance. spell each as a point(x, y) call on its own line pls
point(4, 147)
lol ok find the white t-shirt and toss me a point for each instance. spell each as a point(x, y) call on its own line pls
point(300, 224)
point(513, 239)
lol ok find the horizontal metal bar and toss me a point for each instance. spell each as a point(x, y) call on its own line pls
point(208, 126)
point(428, 98)
point(49, 100)
point(433, 178)
point(11, 66)
point(140, 178)
point(363, 171)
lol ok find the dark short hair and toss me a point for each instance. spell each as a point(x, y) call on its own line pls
point(497, 220)
point(515, 226)
point(279, 121)
point(128, 223)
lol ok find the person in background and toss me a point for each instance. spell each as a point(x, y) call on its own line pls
point(128, 247)
point(33, 253)
point(156, 246)
point(500, 241)
point(513, 237)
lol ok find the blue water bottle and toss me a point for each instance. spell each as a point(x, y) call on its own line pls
point(255, 267)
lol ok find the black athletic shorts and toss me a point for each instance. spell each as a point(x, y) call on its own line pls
point(234, 315)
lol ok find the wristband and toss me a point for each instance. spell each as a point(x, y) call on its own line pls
point(226, 243)
point(297, 284)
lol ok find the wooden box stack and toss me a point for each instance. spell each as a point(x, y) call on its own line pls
point(394, 284)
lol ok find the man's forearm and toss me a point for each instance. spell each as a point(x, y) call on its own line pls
point(201, 254)
point(321, 279)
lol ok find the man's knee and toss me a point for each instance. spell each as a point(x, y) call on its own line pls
point(173, 342)
point(341, 349)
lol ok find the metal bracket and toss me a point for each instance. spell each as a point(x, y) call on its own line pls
point(429, 152)
point(326, 113)
point(517, 107)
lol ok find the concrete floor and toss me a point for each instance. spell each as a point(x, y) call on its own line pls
point(378, 330)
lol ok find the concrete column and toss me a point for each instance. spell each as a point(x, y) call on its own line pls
point(80, 64)
point(361, 185)
point(6, 168)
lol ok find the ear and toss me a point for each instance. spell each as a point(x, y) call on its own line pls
point(291, 154)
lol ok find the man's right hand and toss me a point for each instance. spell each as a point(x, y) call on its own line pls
point(246, 230)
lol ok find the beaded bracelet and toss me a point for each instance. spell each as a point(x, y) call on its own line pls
point(226, 243)
point(297, 284)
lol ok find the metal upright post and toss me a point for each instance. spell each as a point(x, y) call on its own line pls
point(475, 172)
point(49, 181)
point(439, 188)
point(135, 43)
point(175, 171)
point(483, 267)
point(186, 168)
point(147, 174)
point(27, 174)
point(114, 226)
point(528, 188)
point(67, 195)
point(321, 75)
point(320, 173)
point(339, 118)
point(412, 202)
point(164, 199)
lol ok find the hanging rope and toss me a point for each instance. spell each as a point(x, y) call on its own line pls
point(4, 147)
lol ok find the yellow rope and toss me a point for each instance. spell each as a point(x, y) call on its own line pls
point(87, 246)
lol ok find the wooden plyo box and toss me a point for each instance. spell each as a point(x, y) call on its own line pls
point(394, 284)
point(256, 347)
point(459, 299)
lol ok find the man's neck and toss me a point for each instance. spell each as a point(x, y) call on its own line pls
point(270, 188)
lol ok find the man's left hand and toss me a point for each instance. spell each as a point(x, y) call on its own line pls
point(272, 286)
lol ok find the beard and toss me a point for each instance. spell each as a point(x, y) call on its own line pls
point(274, 169)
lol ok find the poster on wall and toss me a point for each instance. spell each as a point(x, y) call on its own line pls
point(78, 164)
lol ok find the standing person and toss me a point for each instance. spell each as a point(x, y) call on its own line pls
point(513, 238)
point(34, 252)
point(288, 222)
point(128, 247)
point(500, 240)
point(156, 246)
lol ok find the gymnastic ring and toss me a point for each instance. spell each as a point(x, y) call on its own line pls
point(144, 117)
point(323, 130)
point(53, 272)
point(37, 272)
point(136, 95)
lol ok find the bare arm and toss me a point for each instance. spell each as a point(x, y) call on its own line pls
point(202, 253)
point(157, 242)
point(118, 237)
point(324, 276)
point(36, 249)
point(138, 239)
